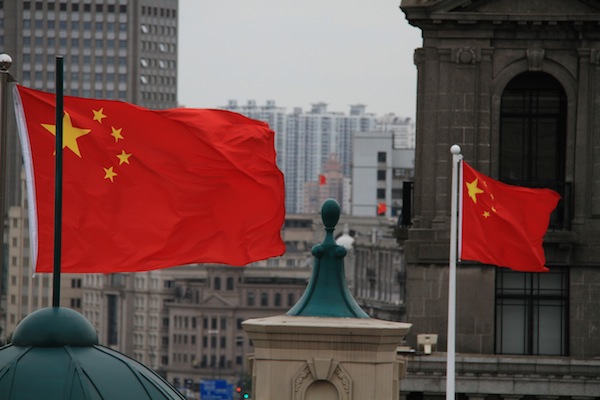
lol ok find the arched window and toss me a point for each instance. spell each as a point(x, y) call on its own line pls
point(533, 130)
point(533, 135)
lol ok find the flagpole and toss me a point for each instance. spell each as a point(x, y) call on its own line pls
point(58, 183)
point(5, 78)
point(451, 348)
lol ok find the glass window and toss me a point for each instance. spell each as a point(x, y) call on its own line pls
point(264, 299)
point(250, 299)
point(533, 137)
point(531, 312)
point(381, 174)
point(381, 156)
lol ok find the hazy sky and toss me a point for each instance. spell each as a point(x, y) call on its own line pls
point(340, 52)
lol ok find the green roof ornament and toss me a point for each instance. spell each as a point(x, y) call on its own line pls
point(54, 355)
point(327, 293)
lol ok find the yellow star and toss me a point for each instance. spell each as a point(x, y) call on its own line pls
point(123, 157)
point(486, 214)
point(474, 190)
point(116, 133)
point(99, 115)
point(70, 134)
point(109, 173)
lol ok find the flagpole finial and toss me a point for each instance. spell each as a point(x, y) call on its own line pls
point(5, 61)
point(455, 149)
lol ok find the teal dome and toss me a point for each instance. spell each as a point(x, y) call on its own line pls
point(55, 355)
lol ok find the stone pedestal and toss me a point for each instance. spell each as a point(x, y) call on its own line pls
point(323, 358)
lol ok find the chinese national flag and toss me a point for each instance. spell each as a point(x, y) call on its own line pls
point(504, 225)
point(322, 180)
point(381, 208)
point(147, 189)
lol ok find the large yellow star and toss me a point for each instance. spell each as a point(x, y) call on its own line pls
point(70, 134)
point(123, 157)
point(99, 115)
point(116, 133)
point(473, 190)
point(109, 173)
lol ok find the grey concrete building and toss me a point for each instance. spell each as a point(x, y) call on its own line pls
point(112, 49)
point(515, 84)
point(380, 166)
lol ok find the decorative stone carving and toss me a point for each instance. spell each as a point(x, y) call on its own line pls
point(322, 370)
point(466, 55)
point(535, 58)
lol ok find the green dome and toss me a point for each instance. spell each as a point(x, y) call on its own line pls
point(55, 356)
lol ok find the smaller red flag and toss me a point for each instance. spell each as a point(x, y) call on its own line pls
point(381, 208)
point(322, 180)
point(504, 225)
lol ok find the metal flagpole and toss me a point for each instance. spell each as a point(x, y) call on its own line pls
point(58, 183)
point(451, 350)
point(5, 78)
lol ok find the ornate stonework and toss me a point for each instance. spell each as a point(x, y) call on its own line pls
point(324, 369)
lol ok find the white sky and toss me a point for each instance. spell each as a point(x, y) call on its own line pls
point(300, 52)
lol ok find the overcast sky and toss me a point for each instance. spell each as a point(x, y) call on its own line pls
point(340, 52)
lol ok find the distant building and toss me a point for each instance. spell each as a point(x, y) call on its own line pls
point(305, 141)
point(379, 170)
point(122, 50)
point(332, 183)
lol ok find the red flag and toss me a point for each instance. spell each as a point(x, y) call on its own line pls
point(147, 189)
point(322, 180)
point(504, 225)
point(381, 208)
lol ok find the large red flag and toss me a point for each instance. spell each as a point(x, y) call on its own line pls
point(504, 225)
point(147, 189)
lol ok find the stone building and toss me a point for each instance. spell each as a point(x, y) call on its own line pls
point(515, 84)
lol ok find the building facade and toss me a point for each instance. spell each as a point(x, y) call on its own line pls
point(379, 170)
point(305, 143)
point(112, 49)
point(515, 85)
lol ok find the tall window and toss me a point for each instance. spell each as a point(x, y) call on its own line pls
point(533, 138)
point(533, 130)
point(532, 312)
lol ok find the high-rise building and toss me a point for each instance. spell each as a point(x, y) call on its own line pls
point(305, 142)
point(112, 49)
point(380, 169)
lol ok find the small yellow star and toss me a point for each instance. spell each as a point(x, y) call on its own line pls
point(116, 133)
point(123, 157)
point(99, 115)
point(109, 173)
point(474, 190)
point(486, 214)
point(70, 134)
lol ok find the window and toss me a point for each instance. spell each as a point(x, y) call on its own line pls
point(381, 174)
point(217, 283)
point(533, 131)
point(250, 299)
point(277, 300)
point(381, 193)
point(381, 156)
point(264, 299)
point(291, 299)
point(229, 283)
point(532, 312)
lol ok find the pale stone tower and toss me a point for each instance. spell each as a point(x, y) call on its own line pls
point(326, 347)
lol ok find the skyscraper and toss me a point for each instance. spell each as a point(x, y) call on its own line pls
point(113, 49)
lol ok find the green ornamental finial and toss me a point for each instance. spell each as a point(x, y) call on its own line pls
point(327, 293)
